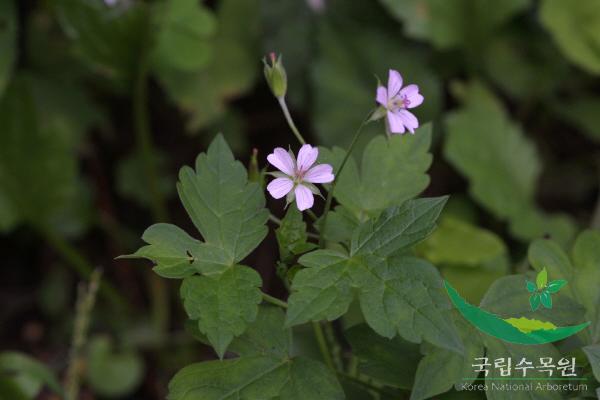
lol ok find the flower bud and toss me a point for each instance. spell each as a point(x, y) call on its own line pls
point(275, 75)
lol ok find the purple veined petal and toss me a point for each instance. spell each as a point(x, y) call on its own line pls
point(395, 123)
point(394, 83)
point(409, 120)
point(281, 160)
point(382, 97)
point(411, 93)
point(322, 173)
point(307, 157)
point(304, 197)
point(279, 187)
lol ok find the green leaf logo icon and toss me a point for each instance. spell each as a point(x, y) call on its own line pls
point(541, 290)
point(541, 279)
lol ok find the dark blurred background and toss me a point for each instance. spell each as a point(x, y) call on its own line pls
point(103, 101)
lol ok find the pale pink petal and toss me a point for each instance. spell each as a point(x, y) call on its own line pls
point(382, 97)
point(395, 123)
point(307, 157)
point(304, 198)
point(411, 93)
point(281, 160)
point(409, 120)
point(279, 187)
point(394, 83)
point(322, 173)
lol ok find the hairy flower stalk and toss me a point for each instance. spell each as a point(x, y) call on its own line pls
point(297, 177)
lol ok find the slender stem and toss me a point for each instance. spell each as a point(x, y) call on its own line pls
point(274, 219)
point(312, 215)
point(85, 303)
point(274, 300)
point(142, 129)
point(290, 121)
point(320, 336)
point(337, 175)
point(157, 287)
point(80, 265)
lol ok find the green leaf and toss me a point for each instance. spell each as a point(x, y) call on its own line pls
point(554, 286)
point(178, 255)
point(398, 228)
point(406, 295)
point(576, 30)
point(586, 258)
point(112, 374)
point(184, 35)
point(392, 171)
point(8, 41)
point(446, 245)
point(451, 23)
point(541, 279)
point(264, 370)
point(501, 164)
point(227, 210)
point(534, 301)
point(546, 299)
point(231, 219)
point(205, 92)
point(439, 370)
point(223, 304)
point(266, 336)
point(397, 295)
point(342, 75)
point(341, 222)
point(593, 354)
point(291, 236)
point(531, 287)
point(27, 375)
point(390, 361)
point(322, 290)
point(255, 377)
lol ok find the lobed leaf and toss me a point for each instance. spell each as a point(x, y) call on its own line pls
point(265, 370)
point(227, 210)
point(223, 304)
point(398, 228)
point(391, 171)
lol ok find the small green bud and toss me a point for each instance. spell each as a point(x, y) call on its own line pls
point(275, 75)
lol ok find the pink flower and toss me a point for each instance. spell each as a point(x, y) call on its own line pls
point(297, 177)
point(396, 100)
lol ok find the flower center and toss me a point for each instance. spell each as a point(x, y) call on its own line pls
point(398, 102)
